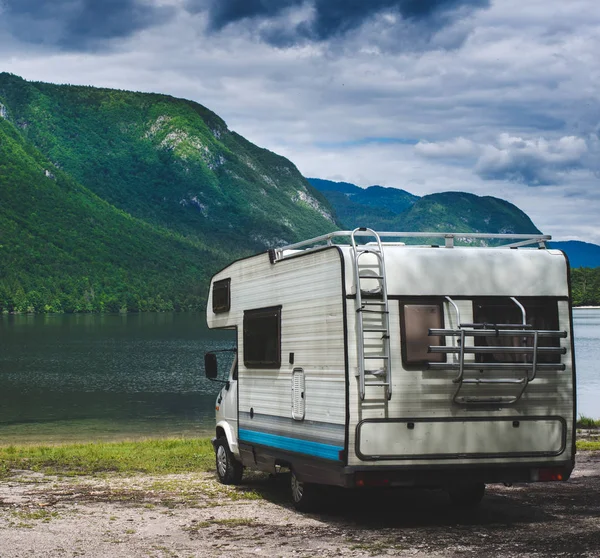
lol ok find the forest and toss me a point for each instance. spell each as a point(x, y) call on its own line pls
point(585, 285)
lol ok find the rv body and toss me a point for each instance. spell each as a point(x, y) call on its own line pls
point(385, 364)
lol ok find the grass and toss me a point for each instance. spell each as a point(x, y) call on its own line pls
point(587, 422)
point(149, 456)
point(593, 445)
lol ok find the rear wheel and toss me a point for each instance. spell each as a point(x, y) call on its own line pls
point(229, 469)
point(305, 496)
point(467, 495)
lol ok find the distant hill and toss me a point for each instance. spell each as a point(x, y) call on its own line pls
point(393, 209)
point(580, 254)
point(355, 206)
point(99, 187)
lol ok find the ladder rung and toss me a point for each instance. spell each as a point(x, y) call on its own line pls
point(364, 310)
point(376, 329)
point(373, 303)
point(377, 384)
point(378, 372)
point(376, 356)
point(370, 276)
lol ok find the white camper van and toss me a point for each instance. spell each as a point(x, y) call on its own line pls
point(377, 363)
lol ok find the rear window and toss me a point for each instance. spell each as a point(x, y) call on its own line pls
point(541, 314)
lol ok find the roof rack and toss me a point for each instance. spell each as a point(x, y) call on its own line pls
point(518, 240)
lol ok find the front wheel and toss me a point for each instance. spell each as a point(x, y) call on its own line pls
point(467, 495)
point(305, 496)
point(229, 469)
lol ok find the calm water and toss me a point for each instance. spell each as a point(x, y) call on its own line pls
point(587, 360)
point(81, 377)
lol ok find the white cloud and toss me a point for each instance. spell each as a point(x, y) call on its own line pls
point(494, 99)
point(457, 148)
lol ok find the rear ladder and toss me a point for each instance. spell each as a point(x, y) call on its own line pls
point(372, 314)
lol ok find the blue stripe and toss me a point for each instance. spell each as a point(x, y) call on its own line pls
point(316, 449)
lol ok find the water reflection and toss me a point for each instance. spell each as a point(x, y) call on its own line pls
point(135, 375)
point(587, 355)
point(81, 377)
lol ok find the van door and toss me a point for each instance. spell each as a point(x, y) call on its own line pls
point(227, 402)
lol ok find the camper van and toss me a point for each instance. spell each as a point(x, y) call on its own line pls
point(365, 360)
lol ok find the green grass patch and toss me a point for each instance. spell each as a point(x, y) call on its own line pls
point(587, 422)
point(593, 445)
point(149, 456)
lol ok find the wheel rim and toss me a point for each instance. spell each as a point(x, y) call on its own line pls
point(297, 489)
point(221, 461)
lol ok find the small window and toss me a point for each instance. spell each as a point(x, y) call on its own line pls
point(416, 321)
point(221, 296)
point(262, 338)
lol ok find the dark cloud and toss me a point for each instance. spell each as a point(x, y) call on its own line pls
point(534, 162)
point(327, 18)
point(79, 24)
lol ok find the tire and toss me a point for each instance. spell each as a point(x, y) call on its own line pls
point(305, 496)
point(467, 495)
point(229, 469)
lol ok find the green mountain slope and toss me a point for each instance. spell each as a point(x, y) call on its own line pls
point(376, 205)
point(64, 249)
point(170, 162)
point(462, 212)
point(392, 209)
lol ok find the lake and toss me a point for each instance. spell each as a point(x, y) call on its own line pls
point(106, 377)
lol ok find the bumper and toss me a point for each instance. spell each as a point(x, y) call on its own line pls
point(441, 477)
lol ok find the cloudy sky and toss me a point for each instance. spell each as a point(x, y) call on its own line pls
point(494, 97)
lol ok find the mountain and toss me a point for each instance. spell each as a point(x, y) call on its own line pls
point(354, 206)
point(171, 162)
point(113, 200)
point(122, 201)
point(581, 254)
point(393, 209)
point(63, 249)
point(463, 212)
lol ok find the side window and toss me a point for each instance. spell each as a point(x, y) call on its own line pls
point(416, 319)
point(542, 314)
point(262, 337)
point(221, 296)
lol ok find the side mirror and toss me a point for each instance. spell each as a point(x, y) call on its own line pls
point(210, 366)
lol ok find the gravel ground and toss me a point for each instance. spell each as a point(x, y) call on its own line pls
point(193, 516)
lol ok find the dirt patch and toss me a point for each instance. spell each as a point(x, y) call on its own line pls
point(193, 515)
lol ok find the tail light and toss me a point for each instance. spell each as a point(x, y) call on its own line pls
point(547, 475)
